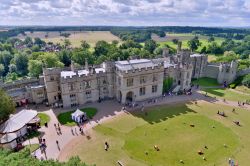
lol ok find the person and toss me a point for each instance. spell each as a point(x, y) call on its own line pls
point(233, 110)
point(57, 142)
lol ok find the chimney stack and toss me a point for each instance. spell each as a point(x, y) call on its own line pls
point(72, 66)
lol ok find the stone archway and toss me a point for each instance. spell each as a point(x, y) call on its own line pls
point(130, 96)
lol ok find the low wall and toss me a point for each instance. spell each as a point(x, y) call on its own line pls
point(243, 72)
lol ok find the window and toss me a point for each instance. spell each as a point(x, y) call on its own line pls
point(71, 86)
point(52, 78)
point(88, 84)
point(40, 95)
point(72, 97)
point(130, 82)
point(142, 91)
point(143, 79)
point(154, 88)
point(88, 94)
point(154, 78)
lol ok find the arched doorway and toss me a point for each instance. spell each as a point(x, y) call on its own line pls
point(130, 96)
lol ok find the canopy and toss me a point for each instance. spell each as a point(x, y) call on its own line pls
point(17, 121)
point(78, 116)
point(6, 138)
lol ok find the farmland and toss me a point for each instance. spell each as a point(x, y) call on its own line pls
point(75, 36)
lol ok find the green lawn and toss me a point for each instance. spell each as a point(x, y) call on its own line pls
point(206, 82)
point(132, 137)
point(243, 89)
point(32, 147)
point(43, 118)
point(65, 118)
point(227, 94)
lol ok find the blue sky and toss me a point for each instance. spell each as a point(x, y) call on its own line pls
point(126, 12)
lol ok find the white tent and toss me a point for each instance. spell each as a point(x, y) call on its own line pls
point(78, 116)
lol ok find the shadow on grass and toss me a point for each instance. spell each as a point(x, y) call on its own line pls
point(215, 91)
point(157, 114)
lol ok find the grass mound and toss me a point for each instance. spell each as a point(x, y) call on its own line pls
point(65, 118)
point(43, 118)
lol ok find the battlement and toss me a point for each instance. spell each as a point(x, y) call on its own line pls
point(51, 71)
point(142, 69)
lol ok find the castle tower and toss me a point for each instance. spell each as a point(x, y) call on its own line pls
point(227, 72)
point(165, 52)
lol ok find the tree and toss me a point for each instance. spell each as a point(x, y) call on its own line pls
point(175, 41)
point(246, 80)
point(80, 55)
point(21, 62)
point(194, 43)
point(210, 39)
point(12, 68)
point(28, 41)
point(35, 68)
point(24, 158)
point(150, 45)
point(1, 70)
point(10, 77)
point(130, 44)
point(5, 58)
point(6, 106)
point(101, 48)
point(203, 50)
point(65, 57)
point(39, 42)
point(50, 60)
point(214, 48)
point(85, 45)
point(67, 43)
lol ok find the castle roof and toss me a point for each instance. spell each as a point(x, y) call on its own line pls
point(70, 74)
point(135, 64)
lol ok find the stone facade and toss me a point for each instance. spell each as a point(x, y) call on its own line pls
point(126, 81)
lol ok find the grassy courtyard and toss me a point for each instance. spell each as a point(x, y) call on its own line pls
point(206, 82)
point(132, 137)
point(227, 94)
point(43, 118)
point(65, 118)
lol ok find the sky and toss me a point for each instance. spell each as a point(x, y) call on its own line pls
point(234, 13)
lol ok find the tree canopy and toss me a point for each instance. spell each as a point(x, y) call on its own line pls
point(6, 106)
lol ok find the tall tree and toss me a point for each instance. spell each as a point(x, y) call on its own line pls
point(194, 43)
point(150, 45)
point(21, 62)
point(35, 68)
point(85, 45)
point(6, 106)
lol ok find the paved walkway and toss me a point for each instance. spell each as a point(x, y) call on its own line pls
point(106, 110)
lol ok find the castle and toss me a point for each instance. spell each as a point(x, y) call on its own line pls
point(127, 81)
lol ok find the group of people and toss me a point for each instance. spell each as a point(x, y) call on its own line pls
point(58, 129)
point(42, 145)
point(74, 132)
point(106, 146)
point(221, 113)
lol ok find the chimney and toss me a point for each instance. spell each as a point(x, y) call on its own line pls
point(86, 64)
point(179, 46)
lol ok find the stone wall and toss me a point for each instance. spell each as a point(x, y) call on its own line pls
point(212, 71)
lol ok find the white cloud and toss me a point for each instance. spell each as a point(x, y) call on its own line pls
point(125, 12)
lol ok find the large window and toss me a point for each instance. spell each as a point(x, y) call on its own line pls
point(88, 94)
point(143, 79)
point(130, 82)
point(154, 88)
point(142, 91)
point(71, 86)
point(154, 77)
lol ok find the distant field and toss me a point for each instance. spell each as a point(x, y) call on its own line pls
point(184, 38)
point(75, 38)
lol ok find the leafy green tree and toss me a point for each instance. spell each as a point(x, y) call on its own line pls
point(210, 39)
point(246, 80)
point(101, 48)
point(194, 44)
point(35, 68)
point(6, 106)
point(24, 158)
point(214, 48)
point(67, 43)
point(79, 56)
point(39, 42)
point(5, 58)
point(85, 45)
point(150, 46)
point(1, 69)
point(203, 50)
point(130, 44)
point(21, 62)
point(12, 68)
point(175, 41)
point(10, 77)
point(28, 41)
point(50, 60)
point(65, 57)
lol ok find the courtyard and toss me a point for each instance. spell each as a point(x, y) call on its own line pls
point(171, 131)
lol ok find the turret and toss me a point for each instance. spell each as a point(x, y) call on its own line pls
point(86, 64)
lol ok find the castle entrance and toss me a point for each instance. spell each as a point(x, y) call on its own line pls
point(130, 96)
